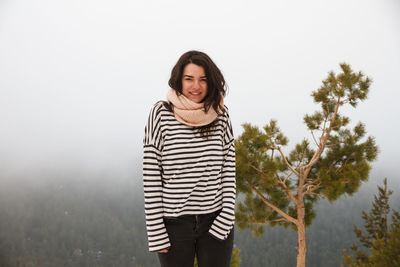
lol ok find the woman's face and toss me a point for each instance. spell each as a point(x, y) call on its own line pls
point(194, 83)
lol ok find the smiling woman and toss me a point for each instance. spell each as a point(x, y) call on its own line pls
point(189, 168)
point(194, 83)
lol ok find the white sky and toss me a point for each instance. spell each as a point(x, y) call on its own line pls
point(78, 78)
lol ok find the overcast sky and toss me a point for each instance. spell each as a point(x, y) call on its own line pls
point(78, 78)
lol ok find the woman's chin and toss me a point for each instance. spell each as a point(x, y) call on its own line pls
point(196, 99)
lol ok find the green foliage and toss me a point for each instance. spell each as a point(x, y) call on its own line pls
point(346, 162)
point(258, 166)
point(387, 253)
point(334, 162)
point(383, 243)
point(347, 85)
point(235, 261)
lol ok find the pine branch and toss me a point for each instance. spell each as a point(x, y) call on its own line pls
point(272, 206)
point(280, 220)
point(311, 188)
point(333, 164)
point(302, 158)
point(287, 191)
point(269, 222)
point(335, 144)
point(287, 177)
point(255, 168)
point(315, 141)
point(323, 139)
point(286, 162)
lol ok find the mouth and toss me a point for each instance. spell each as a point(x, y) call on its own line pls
point(195, 93)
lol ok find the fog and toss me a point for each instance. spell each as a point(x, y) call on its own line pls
point(78, 78)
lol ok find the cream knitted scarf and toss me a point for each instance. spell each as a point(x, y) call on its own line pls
point(189, 112)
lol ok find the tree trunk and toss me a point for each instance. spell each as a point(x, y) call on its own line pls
point(301, 236)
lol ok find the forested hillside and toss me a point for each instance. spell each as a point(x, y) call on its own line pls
point(75, 220)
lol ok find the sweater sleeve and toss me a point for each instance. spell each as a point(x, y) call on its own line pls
point(224, 222)
point(152, 184)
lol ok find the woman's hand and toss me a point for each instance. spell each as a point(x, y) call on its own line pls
point(163, 251)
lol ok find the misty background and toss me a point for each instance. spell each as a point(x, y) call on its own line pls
point(78, 78)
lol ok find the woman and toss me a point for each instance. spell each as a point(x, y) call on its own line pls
point(189, 168)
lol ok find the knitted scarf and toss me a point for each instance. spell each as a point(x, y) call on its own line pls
point(189, 112)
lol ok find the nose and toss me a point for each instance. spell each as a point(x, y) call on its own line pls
point(196, 84)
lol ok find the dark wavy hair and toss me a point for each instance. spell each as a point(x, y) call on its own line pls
point(216, 86)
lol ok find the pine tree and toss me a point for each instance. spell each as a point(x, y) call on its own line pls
point(280, 189)
point(382, 240)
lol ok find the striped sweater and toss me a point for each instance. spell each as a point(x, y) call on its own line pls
point(186, 174)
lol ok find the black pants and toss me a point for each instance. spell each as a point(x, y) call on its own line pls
point(189, 235)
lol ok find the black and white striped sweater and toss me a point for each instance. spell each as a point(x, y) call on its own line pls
point(186, 174)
